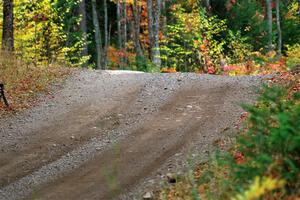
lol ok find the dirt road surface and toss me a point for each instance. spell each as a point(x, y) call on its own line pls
point(109, 135)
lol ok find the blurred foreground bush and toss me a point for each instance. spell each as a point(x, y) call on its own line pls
point(264, 163)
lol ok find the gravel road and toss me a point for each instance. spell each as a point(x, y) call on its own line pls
point(114, 135)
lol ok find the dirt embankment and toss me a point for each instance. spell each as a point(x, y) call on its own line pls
point(106, 136)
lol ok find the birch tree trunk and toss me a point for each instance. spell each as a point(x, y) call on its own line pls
point(279, 32)
point(83, 28)
point(154, 12)
point(136, 28)
point(150, 25)
point(8, 29)
point(156, 49)
point(270, 24)
point(97, 35)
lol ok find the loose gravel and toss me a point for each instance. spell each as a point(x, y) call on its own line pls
point(129, 99)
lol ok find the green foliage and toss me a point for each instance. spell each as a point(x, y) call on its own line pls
point(144, 65)
point(192, 41)
point(195, 38)
point(247, 16)
point(293, 55)
point(36, 35)
point(290, 24)
point(269, 147)
point(239, 50)
point(46, 32)
point(272, 141)
point(68, 20)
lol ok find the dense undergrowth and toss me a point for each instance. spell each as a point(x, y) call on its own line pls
point(265, 161)
point(256, 63)
point(23, 82)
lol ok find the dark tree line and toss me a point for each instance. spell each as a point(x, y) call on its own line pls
point(8, 30)
point(142, 27)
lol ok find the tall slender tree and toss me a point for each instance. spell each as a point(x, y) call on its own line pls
point(137, 28)
point(106, 36)
point(279, 32)
point(150, 24)
point(164, 16)
point(119, 24)
point(270, 24)
point(124, 28)
point(97, 35)
point(157, 14)
point(154, 13)
point(83, 28)
point(8, 29)
point(208, 6)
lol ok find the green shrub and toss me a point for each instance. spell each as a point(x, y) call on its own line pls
point(293, 55)
point(266, 152)
point(143, 64)
point(238, 49)
point(272, 142)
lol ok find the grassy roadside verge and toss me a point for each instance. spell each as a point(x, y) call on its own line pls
point(264, 163)
point(24, 82)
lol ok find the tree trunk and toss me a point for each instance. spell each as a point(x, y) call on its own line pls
point(279, 32)
point(299, 7)
point(123, 34)
point(105, 34)
point(208, 7)
point(8, 29)
point(125, 22)
point(154, 12)
point(83, 29)
point(97, 35)
point(136, 28)
point(270, 24)
point(164, 18)
point(124, 25)
point(150, 25)
point(122, 30)
point(119, 24)
point(156, 49)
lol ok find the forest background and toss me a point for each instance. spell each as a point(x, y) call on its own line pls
point(210, 36)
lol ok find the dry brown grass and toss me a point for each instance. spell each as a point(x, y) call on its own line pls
point(23, 82)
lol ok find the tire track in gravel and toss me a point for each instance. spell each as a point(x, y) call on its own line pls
point(123, 141)
point(71, 130)
point(144, 150)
